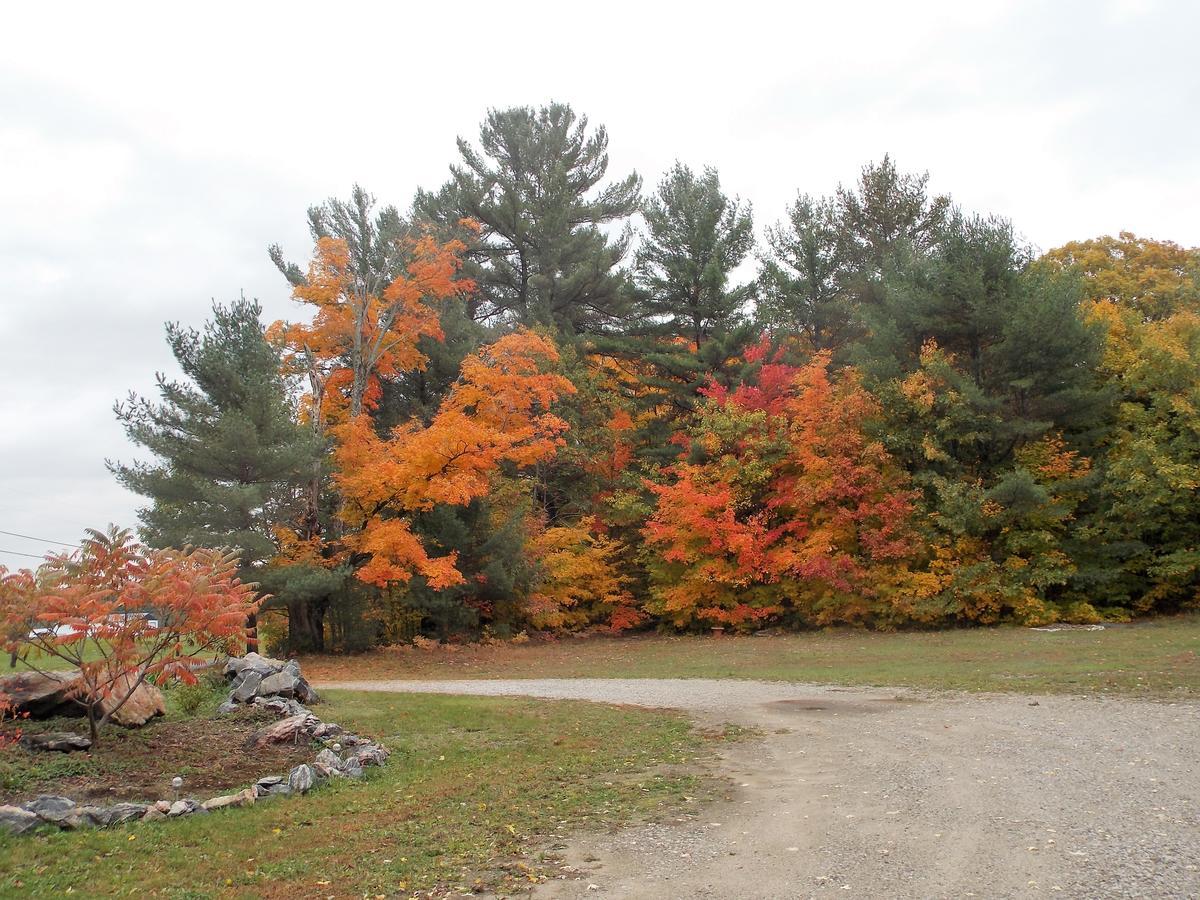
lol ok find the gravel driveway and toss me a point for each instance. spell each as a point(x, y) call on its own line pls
point(880, 793)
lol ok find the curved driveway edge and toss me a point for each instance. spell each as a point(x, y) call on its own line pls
point(895, 793)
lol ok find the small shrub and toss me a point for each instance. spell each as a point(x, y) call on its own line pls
point(1082, 613)
point(191, 699)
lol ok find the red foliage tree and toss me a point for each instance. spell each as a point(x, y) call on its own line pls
point(785, 504)
point(122, 614)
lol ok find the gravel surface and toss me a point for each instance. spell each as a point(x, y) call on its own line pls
point(883, 793)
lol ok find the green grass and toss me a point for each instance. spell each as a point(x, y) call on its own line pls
point(473, 789)
point(1158, 658)
point(46, 662)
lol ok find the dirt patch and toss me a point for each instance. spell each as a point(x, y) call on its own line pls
point(138, 764)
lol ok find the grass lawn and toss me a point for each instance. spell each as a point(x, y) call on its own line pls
point(474, 789)
point(1159, 658)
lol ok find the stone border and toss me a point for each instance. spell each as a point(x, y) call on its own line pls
point(297, 722)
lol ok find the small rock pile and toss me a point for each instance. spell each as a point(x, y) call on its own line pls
point(252, 677)
point(342, 755)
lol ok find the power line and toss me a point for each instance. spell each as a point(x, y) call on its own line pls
point(19, 553)
point(30, 537)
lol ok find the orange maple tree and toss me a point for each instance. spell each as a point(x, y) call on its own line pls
point(357, 336)
point(497, 413)
point(121, 614)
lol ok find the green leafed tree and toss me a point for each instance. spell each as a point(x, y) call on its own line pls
point(547, 253)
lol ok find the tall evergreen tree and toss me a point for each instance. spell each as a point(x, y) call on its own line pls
point(695, 237)
point(804, 275)
point(230, 460)
point(545, 256)
point(826, 262)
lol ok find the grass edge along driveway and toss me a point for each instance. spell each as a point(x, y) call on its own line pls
point(474, 788)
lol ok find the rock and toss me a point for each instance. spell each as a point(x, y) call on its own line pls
point(271, 785)
point(185, 807)
point(371, 755)
point(44, 696)
point(302, 778)
point(247, 687)
point(281, 683)
point(90, 817)
point(328, 763)
point(60, 741)
point(241, 798)
point(41, 696)
point(55, 810)
point(163, 806)
point(307, 693)
point(252, 662)
point(143, 704)
point(227, 707)
point(327, 729)
point(352, 768)
point(153, 814)
point(281, 705)
point(126, 812)
point(15, 820)
point(292, 729)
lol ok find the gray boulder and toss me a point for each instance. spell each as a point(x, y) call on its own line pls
point(125, 812)
point(328, 763)
point(52, 809)
point(15, 820)
point(185, 807)
point(248, 686)
point(90, 817)
point(59, 741)
point(282, 684)
point(302, 778)
point(252, 662)
point(352, 768)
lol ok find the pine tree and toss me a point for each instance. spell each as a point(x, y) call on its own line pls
point(231, 462)
point(695, 237)
point(826, 262)
point(534, 185)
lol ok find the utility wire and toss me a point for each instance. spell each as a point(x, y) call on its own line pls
point(19, 553)
point(30, 537)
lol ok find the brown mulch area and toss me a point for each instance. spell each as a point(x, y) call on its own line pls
point(137, 764)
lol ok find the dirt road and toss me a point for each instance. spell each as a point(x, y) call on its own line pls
point(885, 793)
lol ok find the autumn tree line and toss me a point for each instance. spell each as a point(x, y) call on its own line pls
point(546, 397)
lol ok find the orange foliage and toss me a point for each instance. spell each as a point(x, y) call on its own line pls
point(356, 336)
point(496, 413)
point(121, 614)
point(794, 507)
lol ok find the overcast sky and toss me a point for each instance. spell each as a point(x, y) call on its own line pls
point(149, 155)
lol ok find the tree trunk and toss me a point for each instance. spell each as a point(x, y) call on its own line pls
point(93, 723)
